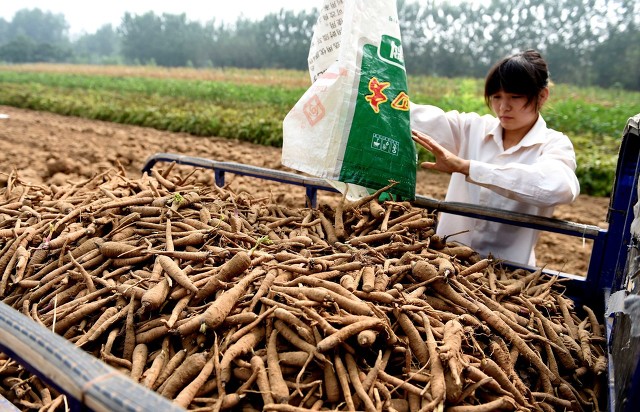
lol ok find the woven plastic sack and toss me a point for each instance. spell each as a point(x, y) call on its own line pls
point(352, 125)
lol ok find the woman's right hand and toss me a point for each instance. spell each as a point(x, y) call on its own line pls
point(445, 160)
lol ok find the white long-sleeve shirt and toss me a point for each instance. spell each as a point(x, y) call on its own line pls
point(531, 177)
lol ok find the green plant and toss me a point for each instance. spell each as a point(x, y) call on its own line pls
point(250, 105)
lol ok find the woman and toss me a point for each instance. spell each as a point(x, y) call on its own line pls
point(509, 161)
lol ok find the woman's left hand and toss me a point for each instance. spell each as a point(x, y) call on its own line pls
point(445, 160)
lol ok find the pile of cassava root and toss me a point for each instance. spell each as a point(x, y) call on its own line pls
point(221, 301)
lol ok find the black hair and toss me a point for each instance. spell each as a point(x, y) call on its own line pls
point(524, 73)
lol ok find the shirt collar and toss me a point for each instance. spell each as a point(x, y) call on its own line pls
point(533, 137)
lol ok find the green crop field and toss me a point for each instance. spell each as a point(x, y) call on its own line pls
point(251, 104)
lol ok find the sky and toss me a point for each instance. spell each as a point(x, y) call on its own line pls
point(87, 16)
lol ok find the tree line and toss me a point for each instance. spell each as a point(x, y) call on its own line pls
point(586, 42)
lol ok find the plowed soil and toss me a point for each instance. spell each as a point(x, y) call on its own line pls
point(48, 149)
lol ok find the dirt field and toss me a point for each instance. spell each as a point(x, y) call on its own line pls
point(53, 150)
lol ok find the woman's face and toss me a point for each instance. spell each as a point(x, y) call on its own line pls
point(513, 112)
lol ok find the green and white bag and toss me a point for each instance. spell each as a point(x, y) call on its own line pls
point(352, 125)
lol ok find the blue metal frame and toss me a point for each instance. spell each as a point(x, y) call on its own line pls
point(311, 184)
point(89, 383)
point(620, 217)
point(624, 196)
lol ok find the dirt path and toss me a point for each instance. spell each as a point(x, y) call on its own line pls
point(50, 149)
